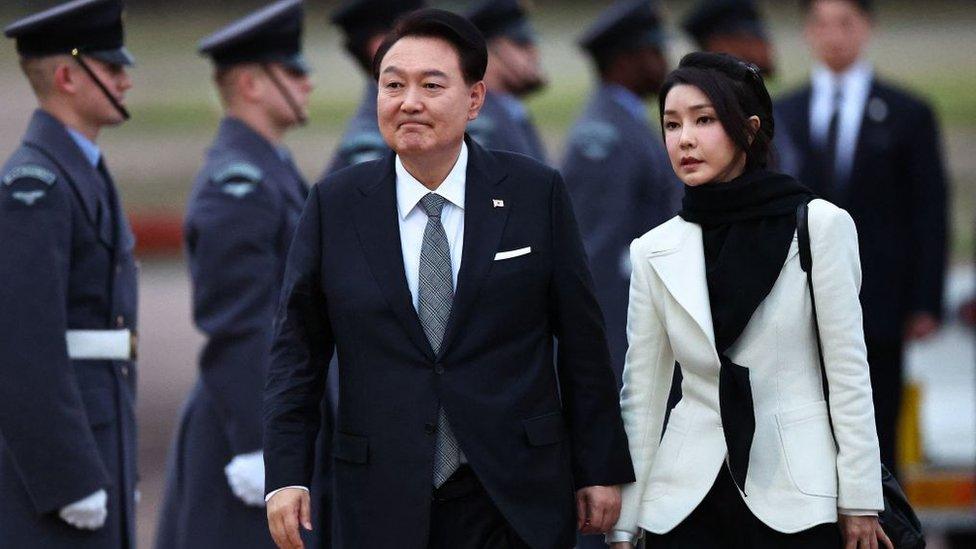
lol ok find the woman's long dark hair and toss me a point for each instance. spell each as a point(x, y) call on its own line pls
point(736, 91)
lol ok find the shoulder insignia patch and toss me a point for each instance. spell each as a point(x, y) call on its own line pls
point(30, 171)
point(481, 129)
point(238, 179)
point(363, 147)
point(595, 140)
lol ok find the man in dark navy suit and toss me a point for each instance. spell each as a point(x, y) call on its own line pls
point(875, 150)
point(364, 24)
point(514, 72)
point(242, 214)
point(68, 294)
point(442, 274)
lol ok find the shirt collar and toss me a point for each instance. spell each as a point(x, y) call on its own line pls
point(409, 191)
point(628, 100)
point(859, 74)
point(88, 147)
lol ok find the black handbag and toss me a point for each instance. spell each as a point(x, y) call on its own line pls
point(898, 518)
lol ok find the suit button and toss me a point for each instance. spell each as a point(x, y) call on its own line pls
point(430, 428)
point(120, 321)
point(438, 368)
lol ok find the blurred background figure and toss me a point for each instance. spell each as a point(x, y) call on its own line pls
point(737, 27)
point(244, 208)
point(734, 27)
point(364, 24)
point(514, 72)
point(615, 166)
point(69, 289)
point(876, 151)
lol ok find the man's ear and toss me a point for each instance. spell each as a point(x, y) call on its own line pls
point(477, 97)
point(64, 78)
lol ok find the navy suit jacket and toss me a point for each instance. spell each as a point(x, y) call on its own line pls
point(345, 289)
point(67, 427)
point(622, 185)
point(896, 193)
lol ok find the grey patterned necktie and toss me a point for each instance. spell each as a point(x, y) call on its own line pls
point(436, 295)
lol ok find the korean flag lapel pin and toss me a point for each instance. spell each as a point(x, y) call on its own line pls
point(497, 203)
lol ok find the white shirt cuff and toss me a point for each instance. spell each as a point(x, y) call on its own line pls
point(858, 512)
point(622, 536)
point(271, 494)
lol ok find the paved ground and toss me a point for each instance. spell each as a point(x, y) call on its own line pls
point(944, 365)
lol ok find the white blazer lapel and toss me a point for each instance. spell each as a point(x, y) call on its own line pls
point(680, 263)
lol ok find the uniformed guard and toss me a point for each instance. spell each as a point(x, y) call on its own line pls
point(364, 24)
point(732, 26)
point(514, 72)
point(615, 166)
point(68, 313)
point(737, 27)
point(242, 212)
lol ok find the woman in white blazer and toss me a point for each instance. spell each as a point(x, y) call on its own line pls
point(746, 458)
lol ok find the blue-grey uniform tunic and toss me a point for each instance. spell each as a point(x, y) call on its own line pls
point(67, 427)
point(240, 219)
point(622, 185)
point(504, 124)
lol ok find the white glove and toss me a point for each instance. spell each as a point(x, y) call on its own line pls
point(87, 514)
point(245, 474)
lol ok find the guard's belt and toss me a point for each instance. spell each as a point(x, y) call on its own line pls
point(101, 344)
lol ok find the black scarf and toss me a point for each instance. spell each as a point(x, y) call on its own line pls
point(747, 228)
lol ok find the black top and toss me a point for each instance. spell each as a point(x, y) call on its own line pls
point(93, 27)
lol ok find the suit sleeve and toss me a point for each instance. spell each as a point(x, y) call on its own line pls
point(588, 387)
point(235, 266)
point(303, 346)
point(648, 369)
point(836, 284)
point(43, 423)
point(927, 185)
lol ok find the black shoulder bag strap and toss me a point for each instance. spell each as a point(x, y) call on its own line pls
point(898, 518)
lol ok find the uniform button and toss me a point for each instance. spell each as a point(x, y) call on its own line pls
point(120, 321)
point(438, 368)
point(118, 269)
point(430, 428)
point(125, 371)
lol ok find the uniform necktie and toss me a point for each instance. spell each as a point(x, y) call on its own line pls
point(436, 296)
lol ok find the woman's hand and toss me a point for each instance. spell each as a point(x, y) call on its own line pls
point(863, 533)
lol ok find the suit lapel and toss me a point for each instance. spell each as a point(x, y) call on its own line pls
point(379, 234)
point(483, 227)
point(868, 124)
point(680, 263)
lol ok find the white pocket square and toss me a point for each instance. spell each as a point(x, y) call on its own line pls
point(513, 253)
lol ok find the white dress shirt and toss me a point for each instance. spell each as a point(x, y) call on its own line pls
point(854, 85)
point(413, 221)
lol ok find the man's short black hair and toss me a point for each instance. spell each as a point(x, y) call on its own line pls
point(450, 27)
point(867, 6)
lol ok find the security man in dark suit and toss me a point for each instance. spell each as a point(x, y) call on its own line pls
point(242, 214)
point(875, 150)
point(69, 295)
point(616, 169)
point(737, 27)
point(454, 428)
point(514, 72)
point(364, 24)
